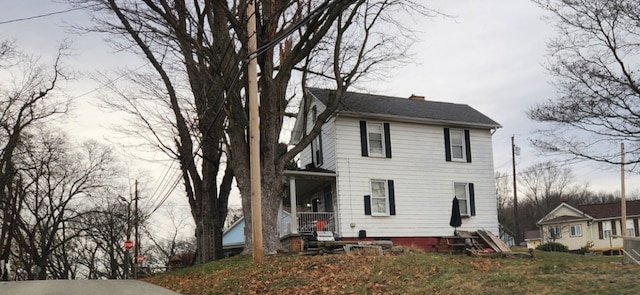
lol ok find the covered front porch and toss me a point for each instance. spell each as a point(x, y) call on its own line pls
point(311, 202)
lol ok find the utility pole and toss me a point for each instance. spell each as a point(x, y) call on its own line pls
point(127, 253)
point(254, 137)
point(623, 198)
point(515, 190)
point(136, 221)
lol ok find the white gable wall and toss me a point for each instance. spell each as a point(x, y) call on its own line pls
point(328, 141)
point(423, 181)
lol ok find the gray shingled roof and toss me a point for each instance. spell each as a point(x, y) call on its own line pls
point(610, 210)
point(441, 112)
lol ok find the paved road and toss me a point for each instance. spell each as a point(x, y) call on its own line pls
point(81, 287)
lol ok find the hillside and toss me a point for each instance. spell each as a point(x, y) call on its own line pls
point(412, 273)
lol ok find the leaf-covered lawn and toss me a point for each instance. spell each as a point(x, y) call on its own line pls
point(414, 273)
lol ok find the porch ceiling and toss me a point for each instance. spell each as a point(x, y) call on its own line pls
point(308, 182)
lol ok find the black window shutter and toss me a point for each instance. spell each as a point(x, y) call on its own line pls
point(613, 228)
point(387, 140)
point(447, 145)
point(392, 198)
point(313, 152)
point(367, 205)
point(472, 199)
point(467, 143)
point(320, 156)
point(600, 233)
point(635, 227)
point(363, 139)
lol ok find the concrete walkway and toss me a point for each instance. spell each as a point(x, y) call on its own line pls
point(78, 287)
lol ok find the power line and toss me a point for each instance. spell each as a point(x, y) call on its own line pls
point(173, 184)
point(39, 16)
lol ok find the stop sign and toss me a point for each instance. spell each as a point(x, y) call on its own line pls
point(140, 258)
point(128, 244)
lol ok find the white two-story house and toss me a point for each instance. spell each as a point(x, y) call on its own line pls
point(388, 168)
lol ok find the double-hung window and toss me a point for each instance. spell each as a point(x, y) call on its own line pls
point(379, 197)
point(575, 230)
point(464, 192)
point(381, 201)
point(555, 232)
point(461, 192)
point(606, 229)
point(631, 229)
point(457, 145)
point(375, 139)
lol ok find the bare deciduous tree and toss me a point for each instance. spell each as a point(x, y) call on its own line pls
point(198, 49)
point(57, 179)
point(544, 184)
point(594, 59)
point(27, 100)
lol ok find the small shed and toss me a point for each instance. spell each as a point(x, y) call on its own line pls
point(532, 237)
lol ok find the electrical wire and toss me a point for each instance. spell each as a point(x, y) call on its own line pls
point(39, 16)
point(321, 8)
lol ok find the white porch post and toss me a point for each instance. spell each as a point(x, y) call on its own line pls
point(294, 207)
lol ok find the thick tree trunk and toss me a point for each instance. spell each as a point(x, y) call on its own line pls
point(271, 200)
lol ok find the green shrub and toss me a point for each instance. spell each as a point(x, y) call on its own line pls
point(553, 247)
point(586, 248)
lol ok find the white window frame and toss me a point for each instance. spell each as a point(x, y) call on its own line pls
point(464, 200)
point(376, 209)
point(371, 127)
point(631, 229)
point(606, 230)
point(555, 232)
point(575, 230)
point(457, 134)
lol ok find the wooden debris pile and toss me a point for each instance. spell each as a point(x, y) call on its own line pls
point(495, 247)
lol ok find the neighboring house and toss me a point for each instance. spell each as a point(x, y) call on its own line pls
point(233, 239)
point(600, 224)
point(532, 237)
point(388, 168)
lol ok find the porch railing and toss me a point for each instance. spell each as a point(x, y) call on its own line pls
point(310, 221)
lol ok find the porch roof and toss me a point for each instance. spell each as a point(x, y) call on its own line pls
point(311, 180)
point(311, 173)
point(564, 218)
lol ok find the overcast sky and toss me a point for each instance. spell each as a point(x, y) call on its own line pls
point(489, 56)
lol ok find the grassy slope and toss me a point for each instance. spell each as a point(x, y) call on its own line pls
point(418, 273)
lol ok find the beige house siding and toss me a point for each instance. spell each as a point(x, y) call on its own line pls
point(563, 211)
point(574, 242)
point(532, 244)
point(590, 233)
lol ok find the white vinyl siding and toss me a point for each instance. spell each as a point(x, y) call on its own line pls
point(326, 144)
point(422, 180)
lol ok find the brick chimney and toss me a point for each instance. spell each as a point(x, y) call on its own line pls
point(416, 97)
